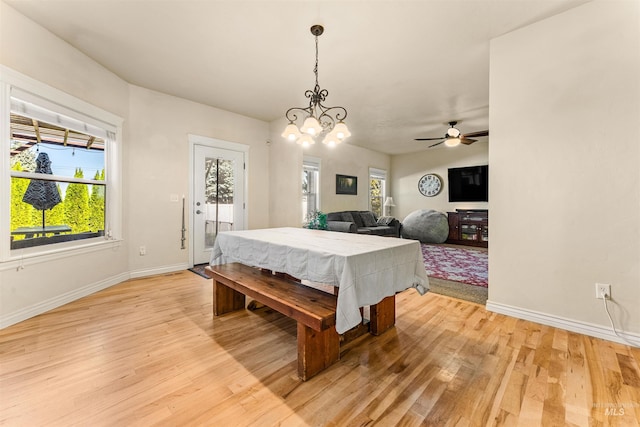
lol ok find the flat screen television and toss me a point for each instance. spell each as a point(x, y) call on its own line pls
point(469, 184)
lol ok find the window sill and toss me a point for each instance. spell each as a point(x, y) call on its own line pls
point(20, 258)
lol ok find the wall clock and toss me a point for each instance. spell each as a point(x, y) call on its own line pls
point(430, 185)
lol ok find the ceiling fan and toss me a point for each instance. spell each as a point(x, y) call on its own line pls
point(453, 137)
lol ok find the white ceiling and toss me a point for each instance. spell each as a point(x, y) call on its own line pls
point(402, 69)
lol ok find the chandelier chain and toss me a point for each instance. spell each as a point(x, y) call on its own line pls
point(315, 69)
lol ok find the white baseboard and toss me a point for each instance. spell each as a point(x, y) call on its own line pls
point(60, 300)
point(135, 274)
point(584, 328)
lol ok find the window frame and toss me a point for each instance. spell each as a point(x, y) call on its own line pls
point(61, 103)
point(379, 174)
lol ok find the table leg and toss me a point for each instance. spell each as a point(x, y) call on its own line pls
point(383, 315)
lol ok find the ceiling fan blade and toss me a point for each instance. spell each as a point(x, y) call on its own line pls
point(437, 143)
point(467, 141)
point(476, 134)
point(427, 139)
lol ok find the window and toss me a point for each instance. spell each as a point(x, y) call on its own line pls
point(377, 190)
point(62, 170)
point(310, 187)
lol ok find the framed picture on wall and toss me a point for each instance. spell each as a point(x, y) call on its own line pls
point(346, 184)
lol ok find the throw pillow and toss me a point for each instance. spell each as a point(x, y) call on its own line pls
point(357, 219)
point(334, 216)
point(368, 219)
point(385, 220)
point(347, 217)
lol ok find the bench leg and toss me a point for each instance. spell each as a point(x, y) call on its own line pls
point(317, 350)
point(383, 315)
point(226, 299)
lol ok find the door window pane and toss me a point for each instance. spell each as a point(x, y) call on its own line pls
point(218, 198)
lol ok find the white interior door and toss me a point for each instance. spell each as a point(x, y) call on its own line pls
point(218, 197)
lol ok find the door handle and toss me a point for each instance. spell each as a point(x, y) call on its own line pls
point(198, 211)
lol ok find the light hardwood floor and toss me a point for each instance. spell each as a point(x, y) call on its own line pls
point(149, 352)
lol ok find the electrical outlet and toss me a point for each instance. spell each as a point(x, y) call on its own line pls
point(143, 250)
point(603, 288)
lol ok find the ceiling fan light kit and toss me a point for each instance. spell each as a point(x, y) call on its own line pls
point(452, 142)
point(453, 137)
point(319, 119)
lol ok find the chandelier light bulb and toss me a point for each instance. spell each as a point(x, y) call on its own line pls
point(341, 131)
point(311, 126)
point(331, 140)
point(306, 140)
point(316, 112)
point(291, 132)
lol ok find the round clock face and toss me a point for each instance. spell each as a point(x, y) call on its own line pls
point(430, 185)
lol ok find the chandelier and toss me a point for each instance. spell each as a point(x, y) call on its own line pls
point(319, 120)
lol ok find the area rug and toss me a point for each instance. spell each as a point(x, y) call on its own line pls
point(459, 290)
point(199, 270)
point(456, 264)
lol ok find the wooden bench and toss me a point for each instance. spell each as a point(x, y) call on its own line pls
point(314, 310)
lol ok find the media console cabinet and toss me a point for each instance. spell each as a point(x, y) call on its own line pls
point(469, 227)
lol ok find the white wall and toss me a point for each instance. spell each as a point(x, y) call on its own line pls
point(407, 169)
point(565, 168)
point(155, 164)
point(45, 282)
point(564, 102)
point(159, 166)
point(346, 159)
point(286, 176)
point(30, 49)
point(285, 179)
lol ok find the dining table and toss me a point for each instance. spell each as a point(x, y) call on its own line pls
point(365, 268)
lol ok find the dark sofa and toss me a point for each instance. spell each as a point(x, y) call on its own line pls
point(363, 222)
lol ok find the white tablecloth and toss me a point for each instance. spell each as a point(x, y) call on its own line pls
point(366, 268)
